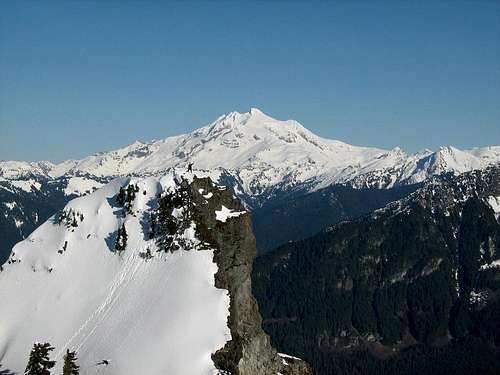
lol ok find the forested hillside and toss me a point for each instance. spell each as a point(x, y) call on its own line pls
point(419, 279)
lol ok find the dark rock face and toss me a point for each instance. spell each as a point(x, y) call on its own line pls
point(417, 275)
point(249, 352)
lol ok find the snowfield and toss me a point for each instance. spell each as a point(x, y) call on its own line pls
point(81, 186)
point(67, 286)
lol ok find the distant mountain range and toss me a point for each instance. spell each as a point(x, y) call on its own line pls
point(260, 153)
point(261, 158)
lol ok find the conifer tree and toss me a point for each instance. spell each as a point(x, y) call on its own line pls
point(121, 238)
point(130, 194)
point(152, 229)
point(118, 239)
point(70, 366)
point(120, 198)
point(39, 362)
point(129, 197)
point(124, 236)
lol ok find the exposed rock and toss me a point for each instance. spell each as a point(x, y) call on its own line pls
point(250, 351)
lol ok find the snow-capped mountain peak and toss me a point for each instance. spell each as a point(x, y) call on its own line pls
point(252, 126)
point(262, 154)
point(451, 159)
point(20, 169)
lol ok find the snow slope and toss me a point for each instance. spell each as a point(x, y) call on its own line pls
point(66, 285)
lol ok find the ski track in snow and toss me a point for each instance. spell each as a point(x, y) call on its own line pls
point(137, 322)
point(112, 298)
point(116, 288)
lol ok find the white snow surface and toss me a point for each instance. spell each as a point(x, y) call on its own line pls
point(494, 264)
point(26, 185)
point(262, 152)
point(81, 186)
point(10, 205)
point(224, 213)
point(494, 203)
point(154, 317)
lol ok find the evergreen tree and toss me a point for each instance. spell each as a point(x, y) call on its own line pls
point(120, 198)
point(124, 237)
point(121, 238)
point(39, 362)
point(152, 230)
point(129, 197)
point(118, 239)
point(130, 194)
point(70, 366)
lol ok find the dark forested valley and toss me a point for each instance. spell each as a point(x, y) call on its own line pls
point(414, 287)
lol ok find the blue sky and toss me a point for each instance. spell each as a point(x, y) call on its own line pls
point(81, 77)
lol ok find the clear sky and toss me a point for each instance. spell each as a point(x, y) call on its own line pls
point(81, 77)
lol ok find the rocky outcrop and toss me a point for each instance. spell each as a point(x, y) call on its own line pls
point(249, 352)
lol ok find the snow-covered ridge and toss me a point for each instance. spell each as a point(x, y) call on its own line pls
point(143, 311)
point(446, 192)
point(262, 153)
point(19, 169)
point(146, 275)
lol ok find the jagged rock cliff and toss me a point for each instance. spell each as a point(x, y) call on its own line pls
point(223, 224)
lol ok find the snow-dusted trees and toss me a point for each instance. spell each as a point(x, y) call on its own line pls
point(39, 362)
point(125, 197)
point(120, 198)
point(121, 239)
point(146, 255)
point(174, 215)
point(131, 190)
point(152, 226)
point(68, 217)
point(70, 366)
